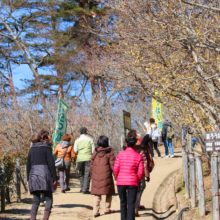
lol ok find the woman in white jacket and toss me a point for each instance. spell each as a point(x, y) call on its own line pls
point(155, 137)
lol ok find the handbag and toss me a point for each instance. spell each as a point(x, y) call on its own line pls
point(59, 163)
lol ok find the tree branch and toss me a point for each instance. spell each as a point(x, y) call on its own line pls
point(202, 6)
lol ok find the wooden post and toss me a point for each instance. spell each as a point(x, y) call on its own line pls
point(2, 187)
point(183, 168)
point(215, 190)
point(190, 143)
point(200, 186)
point(183, 149)
point(186, 175)
point(183, 152)
point(18, 182)
point(219, 166)
point(186, 144)
point(183, 137)
point(192, 180)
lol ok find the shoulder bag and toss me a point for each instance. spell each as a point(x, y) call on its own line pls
point(59, 163)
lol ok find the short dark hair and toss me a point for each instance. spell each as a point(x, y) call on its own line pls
point(83, 130)
point(152, 120)
point(66, 137)
point(132, 132)
point(103, 141)
point(131, 141)
point(35, 137)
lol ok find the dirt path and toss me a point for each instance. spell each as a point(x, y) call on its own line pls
point(74, 205)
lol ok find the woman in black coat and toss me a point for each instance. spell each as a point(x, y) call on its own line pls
point(41, 172)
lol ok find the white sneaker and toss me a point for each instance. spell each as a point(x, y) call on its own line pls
point(166, 156)
point(159, 157)
point(172, 156)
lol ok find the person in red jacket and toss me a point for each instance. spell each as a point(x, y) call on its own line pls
point(142, 185)
point(129, 170)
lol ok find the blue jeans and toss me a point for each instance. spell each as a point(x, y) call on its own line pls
point(194, 140)
point(168, 143)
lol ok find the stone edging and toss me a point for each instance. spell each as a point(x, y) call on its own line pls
point(165, 182)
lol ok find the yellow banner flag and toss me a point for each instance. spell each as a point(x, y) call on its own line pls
point(157, 113)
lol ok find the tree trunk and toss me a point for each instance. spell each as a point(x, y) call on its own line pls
point(57, 65)
point(102, 83)
point(10, 78)
point(8, 195)
point(43, 101)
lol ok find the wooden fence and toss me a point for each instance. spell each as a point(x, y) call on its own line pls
point(193, 178)
point(18, 183)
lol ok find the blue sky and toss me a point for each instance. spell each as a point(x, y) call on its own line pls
point(21, 72)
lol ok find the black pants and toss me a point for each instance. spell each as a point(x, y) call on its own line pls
point(37, 200)
point(42, 198)
point(153, 145)
point(127, 213)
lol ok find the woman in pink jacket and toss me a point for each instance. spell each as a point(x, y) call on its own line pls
point(129, 170)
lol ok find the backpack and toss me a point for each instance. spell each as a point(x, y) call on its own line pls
point(155, 134)
point(170, 132)
point(150, 161)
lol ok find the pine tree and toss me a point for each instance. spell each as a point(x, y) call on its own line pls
point(54, 36)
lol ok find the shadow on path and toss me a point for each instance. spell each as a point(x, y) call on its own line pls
point(74, 206)
point(155, 217)
point(12, 218)
point(27, 200)
point(155, 213)
point(17, 212)
point(158, 213)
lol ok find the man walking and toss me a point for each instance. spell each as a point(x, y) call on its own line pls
point(167, 136)
point(84, 147)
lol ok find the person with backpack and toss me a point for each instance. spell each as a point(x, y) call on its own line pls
point(65, 150)
point(155, 137)
point(129, 171)
point(101, 170)
point(167, 136)
point(145, 142)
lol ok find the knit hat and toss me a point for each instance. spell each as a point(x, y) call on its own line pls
point(166, 120)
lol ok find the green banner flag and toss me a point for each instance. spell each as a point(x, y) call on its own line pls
point(61, 123)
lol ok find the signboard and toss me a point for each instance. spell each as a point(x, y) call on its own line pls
point(212, 141)
point(61, 123)
point(126, 122)
point(157, 113)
